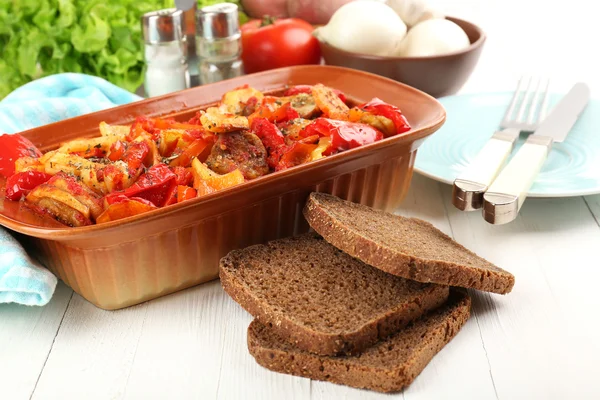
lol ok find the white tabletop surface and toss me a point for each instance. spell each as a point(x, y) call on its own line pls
point(538, 342)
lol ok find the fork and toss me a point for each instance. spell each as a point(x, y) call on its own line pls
point(471, 184)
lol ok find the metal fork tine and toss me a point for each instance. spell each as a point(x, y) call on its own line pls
point(544, 106)
point(525, 100)
point(534, 102)
point(513, 102)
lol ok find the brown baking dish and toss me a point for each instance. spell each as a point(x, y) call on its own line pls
point(126, 262)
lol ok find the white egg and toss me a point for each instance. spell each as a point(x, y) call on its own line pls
point(433, 37)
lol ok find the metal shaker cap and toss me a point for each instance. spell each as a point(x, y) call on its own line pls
point(218, 21)
point(163, 26)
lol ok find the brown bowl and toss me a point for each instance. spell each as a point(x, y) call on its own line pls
point(438, 76)
point(139, 258)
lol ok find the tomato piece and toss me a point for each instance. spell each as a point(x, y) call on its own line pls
point(344, 135)
point(298, 153)
point(271, 137)
point(185, 193)
point(124, 208)
point(275, 43)
point(13, 147)
point(156, 186)
point(379, 107)
point(294, 90)
point(21, 183)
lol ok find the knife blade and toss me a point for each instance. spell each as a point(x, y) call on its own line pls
point(505, 196)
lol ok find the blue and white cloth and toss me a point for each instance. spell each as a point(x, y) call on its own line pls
point(40, 102)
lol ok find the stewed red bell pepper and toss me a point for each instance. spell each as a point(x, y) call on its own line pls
point(294, 90)
point(379, 107)
point(117, 150)
point(13, 147)
point(156, 185)
point(135, 155)
point(21, 183)
point(344, 135)
point(271, 137)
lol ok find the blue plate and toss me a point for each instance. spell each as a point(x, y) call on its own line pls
point(572, 168)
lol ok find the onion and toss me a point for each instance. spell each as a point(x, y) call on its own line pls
point(261, 8)
point(364, 26)
point(316, 12)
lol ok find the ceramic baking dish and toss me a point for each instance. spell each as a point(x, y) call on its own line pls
point(129, 261)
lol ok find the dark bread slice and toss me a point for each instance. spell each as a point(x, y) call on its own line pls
point(388, 366)
point(321, 299)
point(407, 247)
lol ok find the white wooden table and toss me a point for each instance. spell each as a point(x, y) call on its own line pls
point(538, 342)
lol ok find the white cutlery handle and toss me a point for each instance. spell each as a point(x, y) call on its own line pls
point(505, 196)
point(467, 194)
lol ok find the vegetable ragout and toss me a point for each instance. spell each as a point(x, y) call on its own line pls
point(157, 162)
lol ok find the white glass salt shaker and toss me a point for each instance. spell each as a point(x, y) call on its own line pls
point(219, 43)
point(164, 52)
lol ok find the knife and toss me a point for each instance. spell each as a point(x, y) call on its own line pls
point(505, 196)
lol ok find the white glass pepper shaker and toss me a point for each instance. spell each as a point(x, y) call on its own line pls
point(164, 52)
point(219, 43)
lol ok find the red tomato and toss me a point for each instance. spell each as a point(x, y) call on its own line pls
point(269, 44)
point(13, 147)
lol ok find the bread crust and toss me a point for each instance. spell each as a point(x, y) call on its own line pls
point(421, 341)
point(348, 235)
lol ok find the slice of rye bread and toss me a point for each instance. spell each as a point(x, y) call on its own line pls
point(321, 299)
point(406, 247)
point(388, 366)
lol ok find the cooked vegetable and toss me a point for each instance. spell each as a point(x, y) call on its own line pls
point(124, 208)
point(239, 150)
point(270, 44)
point(207, 181)
point(21, 183)
point(60, 204)
point(329, 102)
point(158, 162)
point(382, 116)
point(13, 147)
point(344, 135)
point(364, 26)
point(237, 100)
point(215, 120)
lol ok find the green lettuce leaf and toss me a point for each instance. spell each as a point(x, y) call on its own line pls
point(96, 37)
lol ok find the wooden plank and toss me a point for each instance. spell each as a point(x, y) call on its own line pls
point(92, 353)
point(26, 337)
point(240, 376)
point(442, 377)
point(593, 202)
point(193, 345)
point(539, 338)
